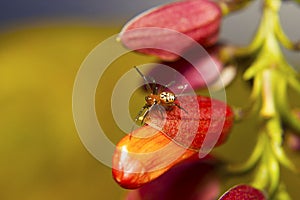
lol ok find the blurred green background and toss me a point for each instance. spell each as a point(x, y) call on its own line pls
point(42, 156)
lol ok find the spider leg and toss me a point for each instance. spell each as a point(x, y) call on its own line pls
point(166, 86)
point(148, 87)
point(142, 118)
point(138, 117)
point(156, 106)
point(161, 110)
point(182, 87)
point(141, 115)
point(175, 104)
point(155, 87)
point(169, 84)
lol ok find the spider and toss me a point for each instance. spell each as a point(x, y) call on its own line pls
point(157, 97)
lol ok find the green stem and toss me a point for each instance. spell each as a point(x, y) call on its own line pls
point(284, 40)
point(229, 6)
point(282, 193)
point(267, 176)
point(275, 132)
point(252, 161)
point(288, 116)
point(271, 75)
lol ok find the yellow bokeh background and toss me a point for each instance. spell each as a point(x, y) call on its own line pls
point(41, 154)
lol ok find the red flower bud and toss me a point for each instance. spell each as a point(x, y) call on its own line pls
point(198, 19)
point(203, 71)
point(144, 155)
point(189, 128)
point(245, 192)
point(147, 153)
point(193, 178)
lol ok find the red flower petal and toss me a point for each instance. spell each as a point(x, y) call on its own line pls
point(198, 19)
point(144, 155)
point(191, 179)
point(190, 128)
point(245, 192)
point(204, 70)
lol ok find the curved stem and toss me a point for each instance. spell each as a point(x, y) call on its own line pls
point(271, 75)
point(282, 193)
point(284, 40)
point(229, 6)
point(267, 176)
point(288, 116)
point(252, 161)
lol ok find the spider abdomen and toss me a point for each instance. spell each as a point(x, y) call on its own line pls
point(167, 97)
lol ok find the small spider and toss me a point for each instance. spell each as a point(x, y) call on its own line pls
point(157, 97)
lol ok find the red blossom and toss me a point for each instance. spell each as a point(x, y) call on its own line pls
point(192, 179)
point(196, 124)
point(144, 155)
point(245, 192)
point(200, 71)
point(197, 19)
point(202, 119)
point(147, 153)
